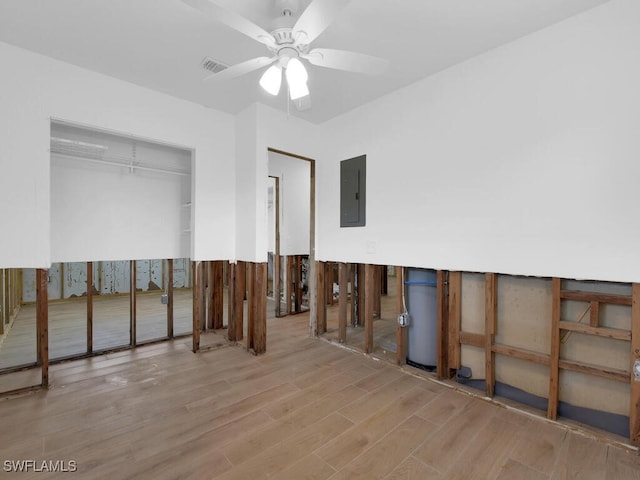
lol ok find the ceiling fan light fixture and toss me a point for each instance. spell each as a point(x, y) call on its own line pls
point(296, 73)
point(297, 79)
point(271, 80)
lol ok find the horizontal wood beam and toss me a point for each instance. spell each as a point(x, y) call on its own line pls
point(473, 339)
point(595, 297)
point(599, 331)
point(610, 373)
point(521, 353)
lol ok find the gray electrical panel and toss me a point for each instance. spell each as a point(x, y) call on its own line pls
point(353, 191)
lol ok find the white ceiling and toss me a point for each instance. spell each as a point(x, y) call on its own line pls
point(160, 44)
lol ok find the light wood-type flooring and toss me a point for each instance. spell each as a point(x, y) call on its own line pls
point(307, 409)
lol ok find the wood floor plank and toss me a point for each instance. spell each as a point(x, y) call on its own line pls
point(324, 406)
point(443, 449)
point(310, 467)
point(289, 450)
point(353, 442)
point(513, 470)
point(445, 407)
point(379, 398)
point(414, 469)
point(622, 464)
point(539, 447)
point(302, 398)
point(580, 458)
point(484, 459)
point(383, 457)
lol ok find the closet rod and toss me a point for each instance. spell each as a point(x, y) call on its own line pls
point(117, 164)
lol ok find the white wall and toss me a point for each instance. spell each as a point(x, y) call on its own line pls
point(34, 88)
point(523, 160)
point(248, 193)
point(259, 128)
point(294, 183)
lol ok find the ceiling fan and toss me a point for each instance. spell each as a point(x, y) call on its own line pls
point(288, 42)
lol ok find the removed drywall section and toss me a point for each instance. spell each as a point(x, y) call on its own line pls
point(524, 310)
point(472, 321)
point(524, 324)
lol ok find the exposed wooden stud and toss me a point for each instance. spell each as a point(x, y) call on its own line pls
point(490, 316)
point(321, 298)
point(197, 305)
point(369, 284)
point(442, 366)
point(634, 410)
point(473, 339)
point(554, 355)
point(62, 282)
point(240, 293)
point(343, 286)
point(232, 271)
point(42, 323)
point(210, 293)
point(202, 294)
point(615, 333)
point(328, 284)
point(132, 303)
point(385, 280)
point(610, 373)
point(169, 290)
point(594, 316)
point(377, 289)
point(298, 284)
point(521, 353)
point(353, 268)
point(277, 284)
point(217, 304)
point(401, 332)
point(595, 297)
point(290, 279)
point(361, 294)
point(251, 305)
point(38, 337)
point(455, 318)
point(260, 302)
point(89, 307)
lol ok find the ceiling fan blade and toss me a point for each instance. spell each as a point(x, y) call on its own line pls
point(316, 18)
point(344, 60)
point(241, 68)
point(233, 20)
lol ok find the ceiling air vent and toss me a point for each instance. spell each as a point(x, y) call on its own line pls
point(213, 66)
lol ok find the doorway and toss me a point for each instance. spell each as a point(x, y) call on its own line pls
point(291, 214)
